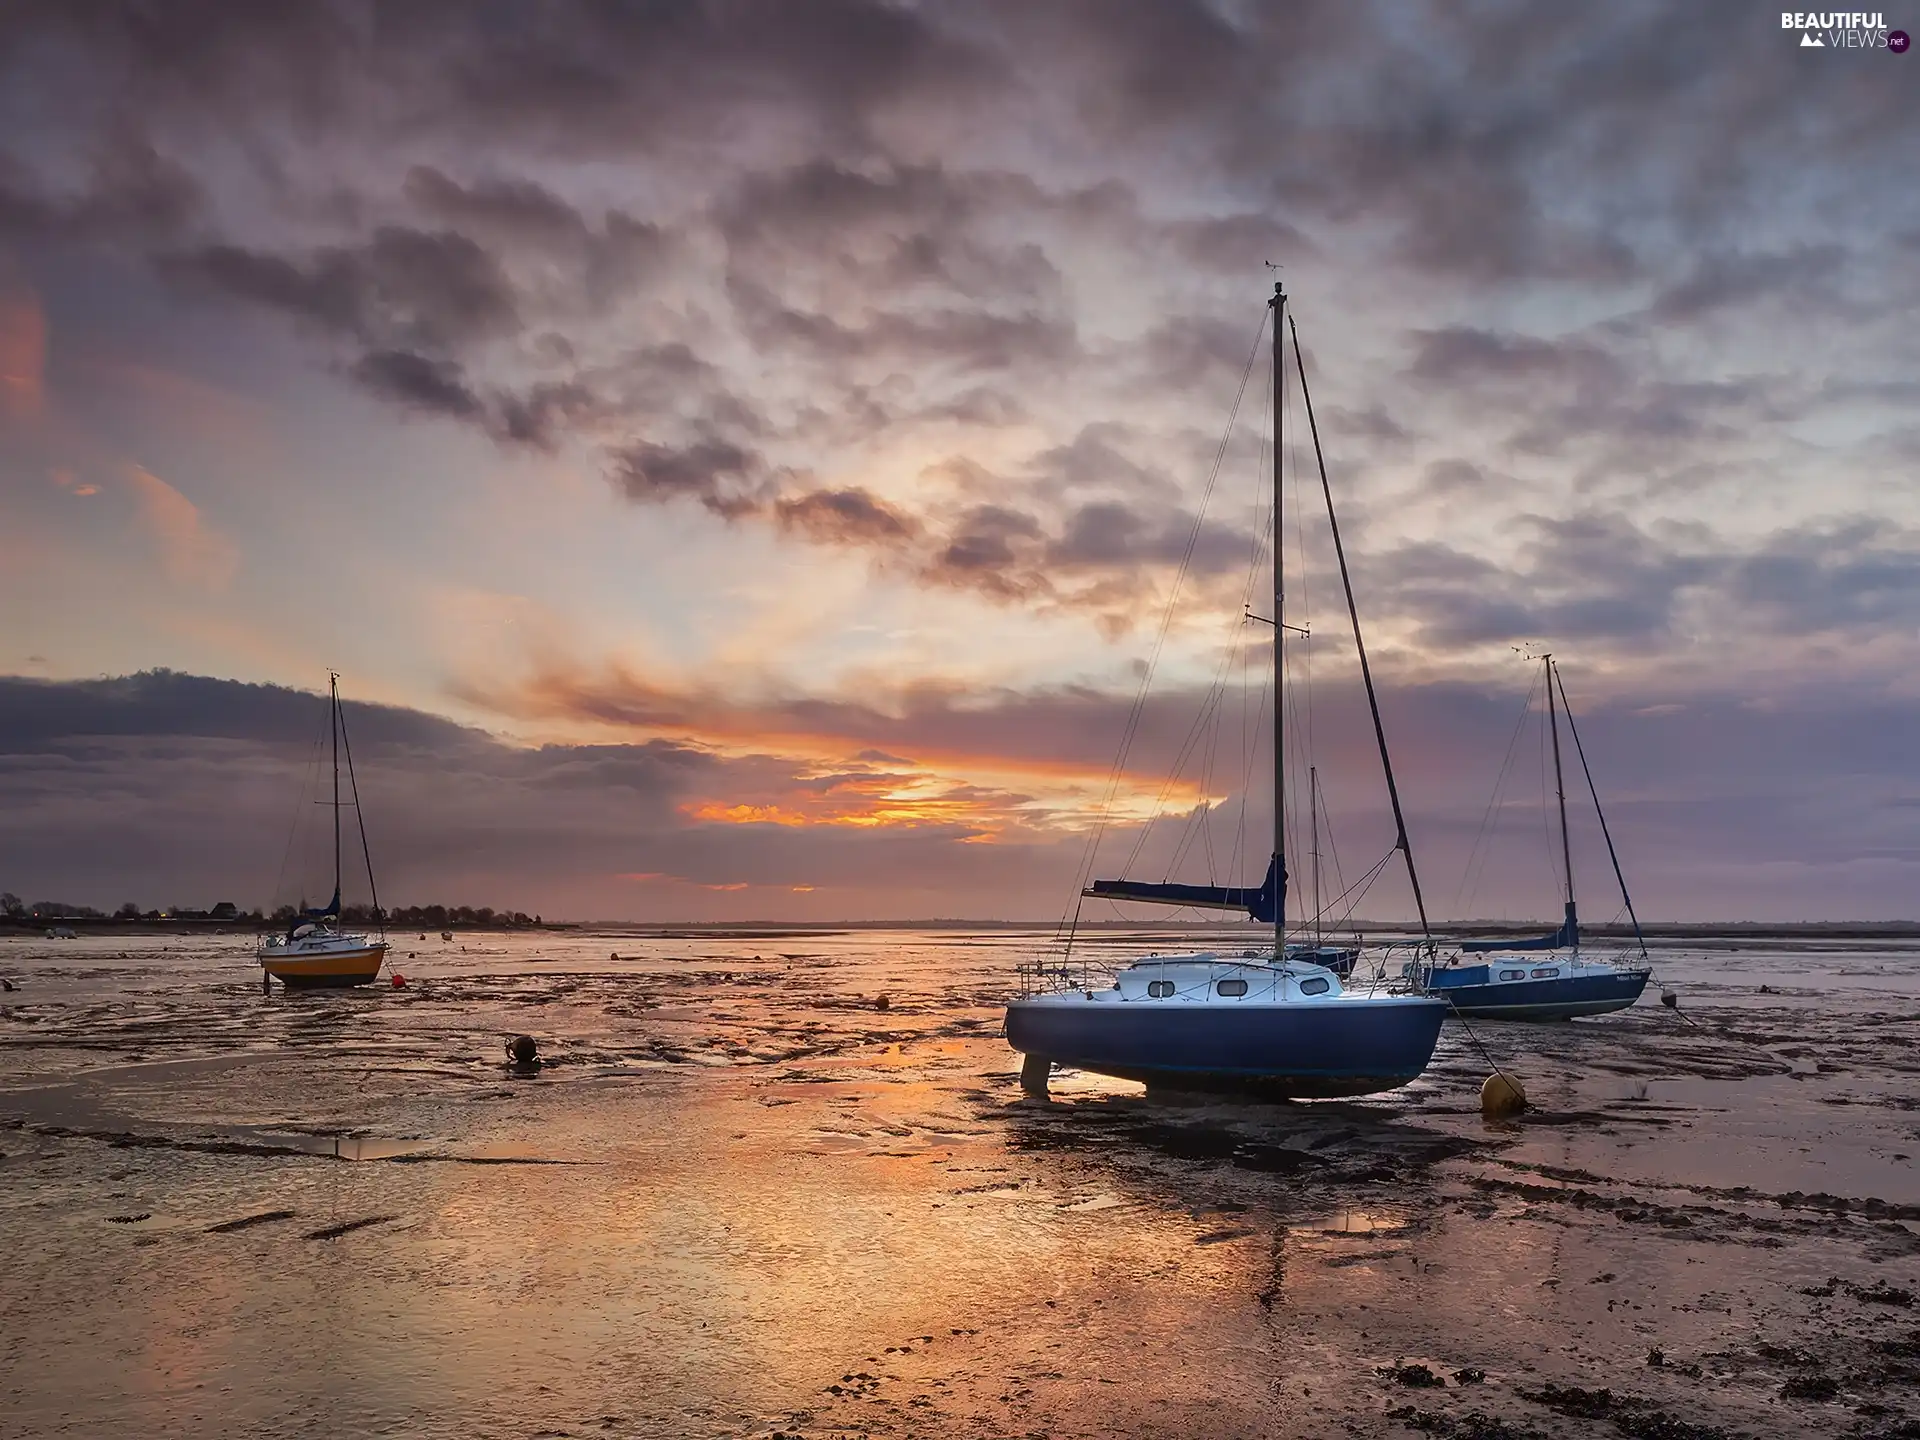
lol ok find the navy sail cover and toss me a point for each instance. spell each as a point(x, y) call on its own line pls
point(1266, 905)
point(1566, 937)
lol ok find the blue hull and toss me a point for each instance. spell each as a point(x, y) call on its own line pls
point(1558, 999)
point(1293, 1050)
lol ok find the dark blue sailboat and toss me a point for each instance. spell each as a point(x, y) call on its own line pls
point(1276, 1022)
point(1544, 977)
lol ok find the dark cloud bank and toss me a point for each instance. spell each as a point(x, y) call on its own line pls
point(889, 200)
point(165, 788)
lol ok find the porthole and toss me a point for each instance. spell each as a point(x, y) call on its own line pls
point(1315, 986)
point(1159, 989)
point(1231, 987)
point(1548, 973)
point(1513, 974)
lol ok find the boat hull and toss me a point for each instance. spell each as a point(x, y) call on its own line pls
point(1564, 998)
point(1293, 1050)
point(335, 970)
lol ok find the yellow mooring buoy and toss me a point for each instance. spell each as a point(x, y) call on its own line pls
point(1501, 1096)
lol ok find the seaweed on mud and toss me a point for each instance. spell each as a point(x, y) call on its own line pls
point(1474, 1425)
point(247, 1222)
point(1872, 1207)
point(1881, 1293)
point(1418, 1376)
point(334, 1232)
point(1631, 1416)
point(1810, 1386)
point(1657, 1359)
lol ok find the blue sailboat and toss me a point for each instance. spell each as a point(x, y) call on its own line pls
point(1544, 977)
point(1271, 1021)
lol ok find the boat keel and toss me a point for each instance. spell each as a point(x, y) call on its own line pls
point(1035, 1070)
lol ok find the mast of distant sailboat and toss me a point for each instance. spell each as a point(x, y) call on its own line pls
point(333, 725)
point(1571, 932)
point(1599, 811)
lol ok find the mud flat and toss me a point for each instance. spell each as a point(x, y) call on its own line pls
point(742, 1198)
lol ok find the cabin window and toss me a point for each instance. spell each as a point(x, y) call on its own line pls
point(1513, 974)
point(1159, 989)
point(1315, 986)
point(1231, 987)
point(1549, 972)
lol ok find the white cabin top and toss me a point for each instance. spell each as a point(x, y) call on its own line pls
point(1209, 977)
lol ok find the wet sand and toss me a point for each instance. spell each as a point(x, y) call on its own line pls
point(740, 1198)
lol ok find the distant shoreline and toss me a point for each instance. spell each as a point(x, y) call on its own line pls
point(774, 929)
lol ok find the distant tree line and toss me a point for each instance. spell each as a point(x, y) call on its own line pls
point(13, 908)
point(436, 917)
point(428, 917)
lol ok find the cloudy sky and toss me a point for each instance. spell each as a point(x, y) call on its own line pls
point(746, 450)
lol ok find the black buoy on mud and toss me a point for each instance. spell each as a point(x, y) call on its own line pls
point(524, 1051)
point(1669, 999)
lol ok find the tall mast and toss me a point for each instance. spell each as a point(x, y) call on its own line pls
point(333, 721)
point(1560, 789)
point(1279, 306)
point(1401, 843)
point(1566, 706)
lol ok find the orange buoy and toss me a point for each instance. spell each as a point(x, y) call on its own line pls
point(1502, 1095)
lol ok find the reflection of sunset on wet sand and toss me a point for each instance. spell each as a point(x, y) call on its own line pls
point(742, 1198)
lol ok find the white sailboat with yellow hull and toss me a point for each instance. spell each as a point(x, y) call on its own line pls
point(322, 956)
point(316, 951)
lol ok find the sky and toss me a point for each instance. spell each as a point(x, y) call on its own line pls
point(743, 458)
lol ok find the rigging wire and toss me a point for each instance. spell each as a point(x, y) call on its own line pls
point(1554, 678)
point(1263, 539)
point(308, 781)
point(1251, 738)
point(1333, 847)
point(360, 815)
point(1204, 725)
point(1547, 850)
point(1469, 879)
point(1300, 704)
point(1131, 729)
point(1401, 839)
point(1195, 738)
